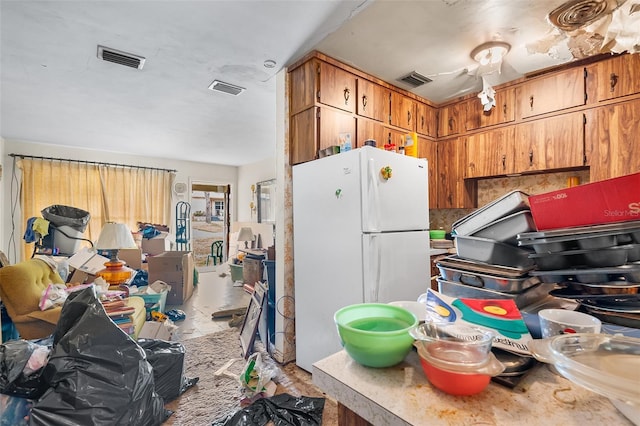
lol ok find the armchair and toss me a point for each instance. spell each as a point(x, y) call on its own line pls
point(21, 286)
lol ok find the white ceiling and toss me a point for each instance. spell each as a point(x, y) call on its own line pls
point(55, 90)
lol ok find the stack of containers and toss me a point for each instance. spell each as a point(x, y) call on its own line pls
point(598, 266)
point(489, 263)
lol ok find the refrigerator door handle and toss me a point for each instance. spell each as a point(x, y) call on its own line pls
point(373, 198)
point(375, 254)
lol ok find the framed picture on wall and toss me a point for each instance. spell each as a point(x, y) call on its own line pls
point(266, 191)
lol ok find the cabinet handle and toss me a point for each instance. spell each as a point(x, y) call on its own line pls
point(364, 102)
point(504, 162)
point(408, 117)
point(346, 96)
point(531, 158)
point(504, 111)
point(531, 102)
point(451, 124)
point(422, 122)
point(613, 80)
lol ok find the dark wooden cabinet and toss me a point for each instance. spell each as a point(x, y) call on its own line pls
point(503, 112)
point(491, 153)
point(373, 101)
point(429, 149)
point(613, 136)
point(403, 112)
point(317, 81)
point(453, 191)
point(551, 143)
point(449, 120)
point(426, 120)
point(318, 128)
point(618, 76)
point(552, 93)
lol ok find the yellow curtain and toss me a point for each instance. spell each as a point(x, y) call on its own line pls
point(109, 193)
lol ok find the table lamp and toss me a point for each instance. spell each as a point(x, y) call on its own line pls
point(113, 237)
point(245, 235)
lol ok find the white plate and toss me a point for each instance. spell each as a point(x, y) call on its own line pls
point(417, 308)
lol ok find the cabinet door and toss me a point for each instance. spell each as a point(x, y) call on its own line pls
point(491, 153)
point(503, 112)
point(448, 120)
point(395, 137)
point(551, 143)
point(612, 133)
point(332, 124)
point(303, 84)
point(403, 112)
point(373, 101)
point(453, 191)
point(429, 149)
point(618, 76)
point(552, 93)
point(426, 119)
point(337, 88)
point(369, 129)
point(304, 136)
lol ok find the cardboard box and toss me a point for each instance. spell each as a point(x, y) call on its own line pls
point(606, 201)
point(155, 330)
point(132, 257)
point(176, 268)
point(158, 244)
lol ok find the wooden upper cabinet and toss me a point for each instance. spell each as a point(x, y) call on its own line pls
point(556, 92)
point(319, 82)
point(454, 192)
point(503, 112)
point(612, 135)
point(304, 136)
point(491, 153)
point(429, 149)
point(393, 136)
point(332, 124)
point(337, 88)
point(618, 76)
point(373, 101)
point(426, 120)
point(403, 112)
point(369, 129)
point(449, 120)
point(550, 143)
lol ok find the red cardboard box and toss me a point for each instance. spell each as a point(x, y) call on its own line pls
point(606, 201)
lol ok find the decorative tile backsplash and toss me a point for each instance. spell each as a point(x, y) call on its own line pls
point(491, 189)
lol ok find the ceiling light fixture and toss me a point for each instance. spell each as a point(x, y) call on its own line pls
point(490, 52)
point(269, 63)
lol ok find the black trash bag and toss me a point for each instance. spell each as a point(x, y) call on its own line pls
point(97, 374)
point(167, 360)
point(283, 410)
point(14, 356)
point(61, 215)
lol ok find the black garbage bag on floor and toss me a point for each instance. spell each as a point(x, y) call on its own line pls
point(14, 378)
point(283, 410)
point(167, 360)
point(97, 374)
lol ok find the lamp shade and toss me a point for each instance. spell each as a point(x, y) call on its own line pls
point(245, 234)
point(115, 236)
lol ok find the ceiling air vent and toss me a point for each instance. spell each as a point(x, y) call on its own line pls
point(119, 57)
point(414, 79)
point(221, 86)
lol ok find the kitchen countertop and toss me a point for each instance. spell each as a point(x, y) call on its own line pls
point(402, 395)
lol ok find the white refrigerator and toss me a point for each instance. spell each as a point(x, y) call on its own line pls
point(359, 235)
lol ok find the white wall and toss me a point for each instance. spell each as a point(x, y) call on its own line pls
point(249, 175)
point(187, 171)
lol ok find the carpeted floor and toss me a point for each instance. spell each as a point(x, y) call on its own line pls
point(215, 397)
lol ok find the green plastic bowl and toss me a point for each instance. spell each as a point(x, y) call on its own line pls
point(375, 334)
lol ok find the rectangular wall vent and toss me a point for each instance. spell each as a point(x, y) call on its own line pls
point(221, 86)
point(414, 79)
point(119, 57)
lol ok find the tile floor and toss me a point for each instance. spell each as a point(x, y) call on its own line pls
point(214, 292)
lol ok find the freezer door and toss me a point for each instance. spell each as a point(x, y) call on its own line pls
point(399, 202)
point(396, 266)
